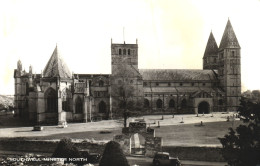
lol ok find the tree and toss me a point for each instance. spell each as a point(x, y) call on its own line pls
point(241, 147)
point(125, 91)
point(113, 155)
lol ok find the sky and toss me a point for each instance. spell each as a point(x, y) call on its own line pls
point(172, 34)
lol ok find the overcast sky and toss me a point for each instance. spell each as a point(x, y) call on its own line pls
point(172, 34)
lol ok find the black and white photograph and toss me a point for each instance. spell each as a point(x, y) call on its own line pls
point(130, 82)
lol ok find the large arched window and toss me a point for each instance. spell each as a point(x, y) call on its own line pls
point(220, 102)
point(184, 103)
point(171, 103)
point(102, 107)
point(159, 103)
point(79, 106)
point(51, 100)
point(120, 51)
point(128, 51)
point(146, 103)
point(66, 97)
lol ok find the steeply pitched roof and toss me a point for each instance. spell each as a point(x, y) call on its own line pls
point(176, 74)
point(56, 67)
point(212, 47)
point(229, 39)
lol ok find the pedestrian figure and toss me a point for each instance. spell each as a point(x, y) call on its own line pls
point(182, 120)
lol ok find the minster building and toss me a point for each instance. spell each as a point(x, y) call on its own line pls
point(57, 95)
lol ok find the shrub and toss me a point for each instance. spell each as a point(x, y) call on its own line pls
point(66, 149)
point(113, 155)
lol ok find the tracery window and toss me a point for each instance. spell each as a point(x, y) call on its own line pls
point(51, 99)
point(102, 107)
point(79, 106)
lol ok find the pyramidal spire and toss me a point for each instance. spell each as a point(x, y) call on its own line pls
point(56, 67)
point(229, 39)
point(212, 47)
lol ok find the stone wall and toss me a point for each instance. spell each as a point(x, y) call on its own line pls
point(184, 153)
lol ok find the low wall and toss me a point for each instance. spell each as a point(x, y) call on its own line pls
point(45, 146)
point(184, 153)
point(195, 153)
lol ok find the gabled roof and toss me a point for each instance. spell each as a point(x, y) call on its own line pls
point(212, 47)
point(177, 74)
point(229, 39)
point(56, 67)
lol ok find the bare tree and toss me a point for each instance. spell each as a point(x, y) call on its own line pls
point(124, 91)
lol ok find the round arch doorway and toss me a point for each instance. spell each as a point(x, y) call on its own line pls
point(203, 107)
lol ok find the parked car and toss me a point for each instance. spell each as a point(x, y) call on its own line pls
point(164, 159)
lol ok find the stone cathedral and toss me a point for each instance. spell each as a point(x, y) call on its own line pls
point(56, 95)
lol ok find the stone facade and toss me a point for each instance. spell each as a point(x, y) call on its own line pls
point(57, 95)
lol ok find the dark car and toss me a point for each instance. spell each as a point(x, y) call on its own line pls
point(164, 159)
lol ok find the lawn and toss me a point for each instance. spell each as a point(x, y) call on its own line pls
point(189, 133)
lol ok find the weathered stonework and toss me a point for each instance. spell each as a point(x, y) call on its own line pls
point(56, 95)
point(152, 144)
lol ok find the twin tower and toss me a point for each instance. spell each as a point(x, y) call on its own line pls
point(225, 59)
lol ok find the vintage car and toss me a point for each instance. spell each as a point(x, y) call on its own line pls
point(164, 159)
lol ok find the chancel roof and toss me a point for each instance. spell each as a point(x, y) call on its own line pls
point(176, 74)
point(212, 47)
point(56, 67)
point(229, 39)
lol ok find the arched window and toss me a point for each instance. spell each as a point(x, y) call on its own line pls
point(120, 51)
point(101, 83)
point(119, 82)
point(102, 107)
point(220, 102)
point(51, 99)
point(184, 103)
point(171, 103)
point(66, 96)
point(26, 104)
point(159, 103)
point(128, 51)
point(79, 106)
point(27, 88)
point(146, 103)
point(124, 52)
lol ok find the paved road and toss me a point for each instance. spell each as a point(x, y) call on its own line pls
point(143, 161)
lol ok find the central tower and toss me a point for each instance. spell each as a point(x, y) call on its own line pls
point(125, 73)
point(124, 54)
